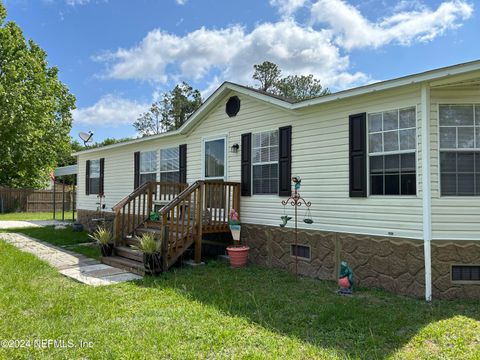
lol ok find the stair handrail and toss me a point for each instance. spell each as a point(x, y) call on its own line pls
point(184, 193)
point(132, 195)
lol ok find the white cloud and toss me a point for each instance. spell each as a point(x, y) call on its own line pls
point(164, 57)
point(214, 55)
point(288, 7)
point(352, 30)
point(110, 110)
point(77, 2)
point(181, 2)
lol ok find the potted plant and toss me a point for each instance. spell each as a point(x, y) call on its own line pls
point(152, 259)
point(104, 238)
point(237, 253)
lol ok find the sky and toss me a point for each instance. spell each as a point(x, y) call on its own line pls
point(118, 56)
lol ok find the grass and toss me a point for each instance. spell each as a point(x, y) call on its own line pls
point(66, 238)
point(26, 216)
point(217, 312)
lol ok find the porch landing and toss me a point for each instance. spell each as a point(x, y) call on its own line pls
point(75, 266)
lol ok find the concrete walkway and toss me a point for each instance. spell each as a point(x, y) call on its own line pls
point(81, 268)
point(16, 224)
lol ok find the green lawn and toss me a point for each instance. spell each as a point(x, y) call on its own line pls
point(65, 238)
point(218, 312)
point(34, 216)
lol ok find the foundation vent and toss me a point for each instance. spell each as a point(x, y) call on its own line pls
point(300, 251)
point(466, 273)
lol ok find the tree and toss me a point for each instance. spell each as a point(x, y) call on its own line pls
point(268, 74)
point(301, 87)
point(184, 101)
point(296, 87)
point(35, 110)
point(170, 112)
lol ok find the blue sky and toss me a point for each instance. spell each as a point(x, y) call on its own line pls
point(117, 56)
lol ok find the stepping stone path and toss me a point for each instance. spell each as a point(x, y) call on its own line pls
point(16, 224)
point(81, 268)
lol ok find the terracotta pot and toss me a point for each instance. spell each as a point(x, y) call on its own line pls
point(238, 255)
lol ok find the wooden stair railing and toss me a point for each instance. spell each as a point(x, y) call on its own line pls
point(182, 224)
point(135, 209)
point(187, 213)
point(203, 207)
point(220, 199)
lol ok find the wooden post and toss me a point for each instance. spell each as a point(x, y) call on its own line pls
point(54, 195)
point(198, 238)
point(164, 248)
point(73, 196)
point(63, 199)
point(150, 200)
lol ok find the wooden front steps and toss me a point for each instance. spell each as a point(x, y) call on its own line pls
point(185, 213)
point(130, 265)
point(128, 257)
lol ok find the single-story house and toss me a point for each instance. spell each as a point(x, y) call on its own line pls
point(392, 170)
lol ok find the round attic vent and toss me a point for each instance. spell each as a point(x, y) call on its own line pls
point(233, 106)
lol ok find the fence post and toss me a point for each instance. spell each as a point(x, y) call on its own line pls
point(54, 209)
point(63, 199)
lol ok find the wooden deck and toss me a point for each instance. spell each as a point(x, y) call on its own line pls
point(185, 214)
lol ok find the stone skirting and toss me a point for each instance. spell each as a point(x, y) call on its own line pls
point(86, 218)
point(394, 264)
point(448, 253)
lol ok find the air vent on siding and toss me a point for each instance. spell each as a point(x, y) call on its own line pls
point(233, 106)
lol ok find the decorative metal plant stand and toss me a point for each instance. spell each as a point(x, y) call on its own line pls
point(296, 201)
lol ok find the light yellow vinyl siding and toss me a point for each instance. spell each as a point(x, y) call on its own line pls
point(453, 217)
point(320, 155)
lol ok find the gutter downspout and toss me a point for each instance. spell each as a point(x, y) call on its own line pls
point(426, 189)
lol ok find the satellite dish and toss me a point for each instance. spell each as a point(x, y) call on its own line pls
point(86, 137)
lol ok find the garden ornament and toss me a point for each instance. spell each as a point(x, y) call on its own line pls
point(345, 279)
point(285, 219)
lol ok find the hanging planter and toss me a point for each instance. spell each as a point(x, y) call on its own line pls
point(237, 253)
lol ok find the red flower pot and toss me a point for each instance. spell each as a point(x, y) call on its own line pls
point(238, 255)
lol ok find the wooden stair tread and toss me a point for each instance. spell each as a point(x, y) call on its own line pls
point(130, 265)
point(129, 253)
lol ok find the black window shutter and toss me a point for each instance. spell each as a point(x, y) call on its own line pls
point(285, 161)
point(102, 172)
point(182, 167)
point(358, 155)
point(246, 167)
point(136, 169)
point(87, 177)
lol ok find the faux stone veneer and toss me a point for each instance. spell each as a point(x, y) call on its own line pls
point(394, 264)
point(86, 218)
point(448, 253)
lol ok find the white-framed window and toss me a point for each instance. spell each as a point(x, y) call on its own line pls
point(459, 149)
point(392, 152)
point(265, 162)
point(148, 166)
point(94, 179)
point(214, 158)
point(169, 165)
